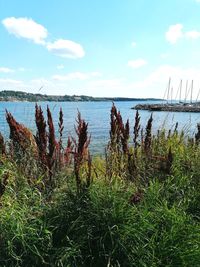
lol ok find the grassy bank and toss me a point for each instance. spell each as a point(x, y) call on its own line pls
point(138, 205)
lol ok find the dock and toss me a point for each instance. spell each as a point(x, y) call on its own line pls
point(177, 107)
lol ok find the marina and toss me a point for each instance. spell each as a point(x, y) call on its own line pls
point(176, 107)
point(173, 105)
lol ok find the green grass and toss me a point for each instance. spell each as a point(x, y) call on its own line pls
point(100, 226)
point(141, 209)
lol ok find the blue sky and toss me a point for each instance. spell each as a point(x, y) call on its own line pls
point(123, 48)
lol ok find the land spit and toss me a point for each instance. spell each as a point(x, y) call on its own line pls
point(178, 107)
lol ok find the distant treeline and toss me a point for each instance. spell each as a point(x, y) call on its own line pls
point(23, 96)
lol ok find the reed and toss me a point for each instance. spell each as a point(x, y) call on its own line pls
point(81, 152)
point(148, 135)
point(125, 134)
point(114, 127)
point(53, 145)
point(61, 127)
point(136, 130)
point(21, 136)
point(41, 136)
point(126, 209)
point(60, 141)
point(68, 151)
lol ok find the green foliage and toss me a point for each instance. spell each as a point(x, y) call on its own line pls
point(24, 237)
point(141, 207)
point(103, 228)
point(100, 226)
point(9, 95)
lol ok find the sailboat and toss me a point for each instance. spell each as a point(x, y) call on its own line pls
point(172, 106)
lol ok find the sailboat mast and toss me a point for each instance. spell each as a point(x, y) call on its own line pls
point(191, 92)
point(171, 94)
point(168, 89)
point(180, 91)
point(165, 94)
point(186, 90)
point(198, 95)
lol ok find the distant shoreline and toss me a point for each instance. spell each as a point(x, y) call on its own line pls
point(19, 96)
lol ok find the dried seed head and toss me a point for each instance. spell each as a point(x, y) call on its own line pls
point(148, 134)
point(136, 129)
point(41, 135)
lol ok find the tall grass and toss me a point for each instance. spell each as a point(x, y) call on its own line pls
point(137, 206)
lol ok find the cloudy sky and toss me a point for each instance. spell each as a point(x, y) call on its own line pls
point(123, 48)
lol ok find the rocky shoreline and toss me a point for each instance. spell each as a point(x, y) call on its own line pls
point(192, 107)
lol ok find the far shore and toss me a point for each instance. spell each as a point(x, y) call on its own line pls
point(19, 96)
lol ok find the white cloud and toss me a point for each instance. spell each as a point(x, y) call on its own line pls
point(174, 33)
point(6, 70)
point(26, 28)
point(133, 44)
point(60, 67)
point(138, 63)
point(93, 87)
point(192, 34)
point(76, 76)
point(39, 85)
point(10, 82)
point(152, 85)
point(66, 49)
point(29, 29)
point(155, 83)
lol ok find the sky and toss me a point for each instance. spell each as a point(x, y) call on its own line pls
point(111, 48)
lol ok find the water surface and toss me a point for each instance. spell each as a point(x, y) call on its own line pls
point(97, 114)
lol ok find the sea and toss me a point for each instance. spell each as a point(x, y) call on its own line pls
point(97, 115)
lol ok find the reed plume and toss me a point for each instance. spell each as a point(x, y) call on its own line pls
point(61, 128)
point(119, 133)
point(41, 135)
point(136, 129)
point(114, 128)
point(22, 138)
point(125, 133)
point(51, 135)
point(81, 152)
point(52, 144)
point(83, 139)
point(148, 135)
point(68, 151)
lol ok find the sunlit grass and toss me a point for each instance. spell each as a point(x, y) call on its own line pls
point(138, 205)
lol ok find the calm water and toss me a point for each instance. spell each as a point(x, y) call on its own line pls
point(97, 114)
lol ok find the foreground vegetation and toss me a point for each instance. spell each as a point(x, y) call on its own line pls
point(139, 205)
